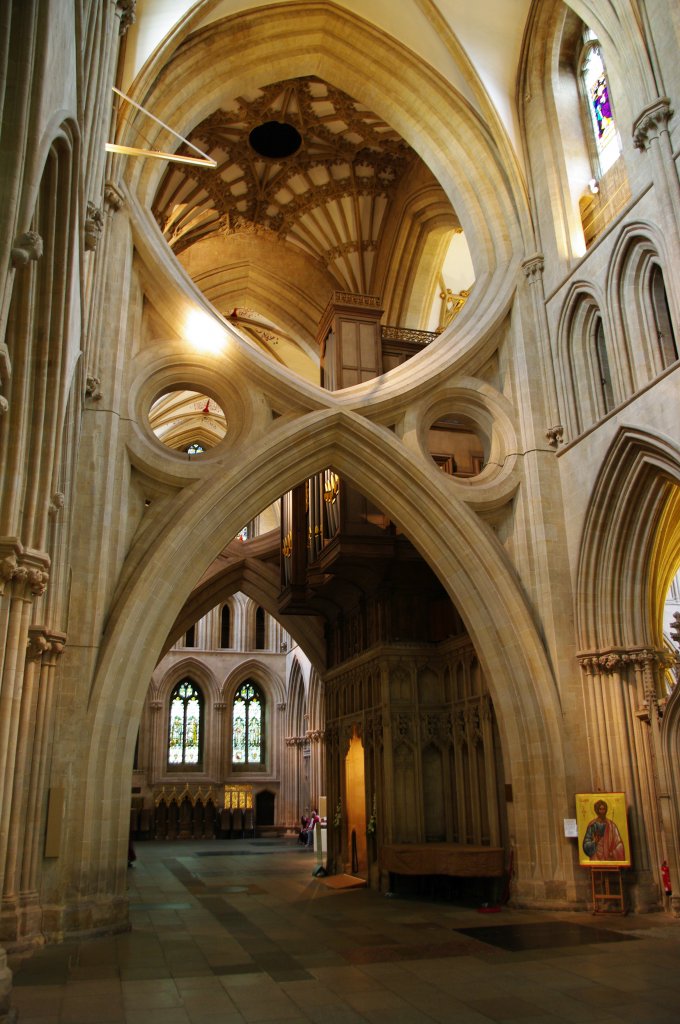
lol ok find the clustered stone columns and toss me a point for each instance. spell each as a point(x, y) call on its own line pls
point(623, 692)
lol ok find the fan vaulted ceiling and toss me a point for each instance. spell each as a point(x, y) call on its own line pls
point(330, 198)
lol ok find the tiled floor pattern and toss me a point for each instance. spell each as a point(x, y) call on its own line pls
point(242, 932)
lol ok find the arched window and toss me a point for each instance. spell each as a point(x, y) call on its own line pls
point(668, 346)
point(190, 637)
point(185, 733)
point(259, 630)
point(595, 87)
point(225, 627)
point(247, 725)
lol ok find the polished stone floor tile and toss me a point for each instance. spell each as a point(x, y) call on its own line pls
point(245, 935)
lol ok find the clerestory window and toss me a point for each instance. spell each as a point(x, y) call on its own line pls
point(606, 145)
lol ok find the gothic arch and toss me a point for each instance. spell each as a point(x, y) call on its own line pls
point(260, 583)
point(638, 250)
point(471, 566)
point(199, 672)
point(577, 365)
point(615, 608)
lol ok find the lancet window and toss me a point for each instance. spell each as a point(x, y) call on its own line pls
point(247, 725)
point(185, 726)
point(595, 86)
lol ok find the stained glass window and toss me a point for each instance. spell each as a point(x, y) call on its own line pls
point(186, 709)
point(247, 725)
point(596, 87)
point(195, 449)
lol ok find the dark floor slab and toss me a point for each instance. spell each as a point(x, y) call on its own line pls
point(543, 935)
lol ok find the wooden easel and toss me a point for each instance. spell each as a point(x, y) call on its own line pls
point(607, 889)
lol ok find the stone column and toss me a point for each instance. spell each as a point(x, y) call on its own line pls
point(626, 753)
point(9, 924)
point(48, 646)
point(23, 576)
point(317, 775)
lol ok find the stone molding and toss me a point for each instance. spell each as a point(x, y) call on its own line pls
point(651, 122)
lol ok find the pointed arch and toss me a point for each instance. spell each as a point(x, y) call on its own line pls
point(638, 259)
point(615, 606)
point(586, 390)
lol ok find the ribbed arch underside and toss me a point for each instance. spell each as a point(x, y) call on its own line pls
point(624, 545)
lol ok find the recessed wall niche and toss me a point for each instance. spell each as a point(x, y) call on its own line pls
point(457, 445)
point(188, 421)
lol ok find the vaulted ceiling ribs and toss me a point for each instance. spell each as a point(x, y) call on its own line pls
point(329, 198)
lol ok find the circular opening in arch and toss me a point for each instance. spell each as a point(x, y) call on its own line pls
point(188, 421)
point(457, 445)
point(275, 139)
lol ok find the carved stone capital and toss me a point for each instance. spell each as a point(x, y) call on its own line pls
point(220, 706)
point(93, 389)
point(125, 9)
point(37, 645)
point(94, 223)
point(281, 706)
point(4, 405)
point(555, 435)
point(114, 199)
point(616, 659)
point(651, 122)
point(37, 581)
point(156, 705)
point(28, 569)
point(533, 266)
point(27, 247)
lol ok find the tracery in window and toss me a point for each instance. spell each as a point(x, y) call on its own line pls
point(247, 721)
point(185, 726)
point(596, 86)
point(195, 449)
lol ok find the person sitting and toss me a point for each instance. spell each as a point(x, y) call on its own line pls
point(302, 834)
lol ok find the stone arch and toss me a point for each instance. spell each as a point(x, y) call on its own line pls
point(639, 249)
point(622, 656)
point(614, 608)
point(330, 42)
point(258, 582)
point(471, 566)
point(582, 394)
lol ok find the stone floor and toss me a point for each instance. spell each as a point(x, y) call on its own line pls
point(241, 931)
